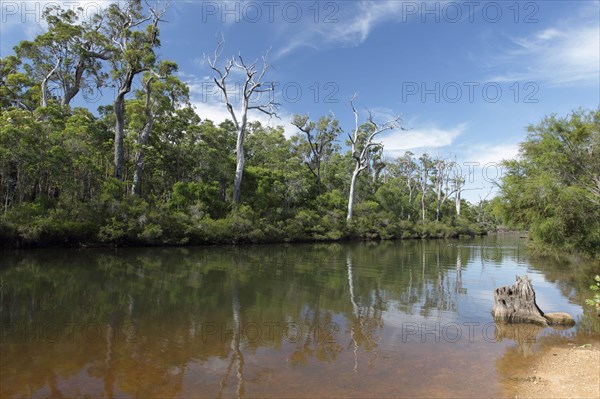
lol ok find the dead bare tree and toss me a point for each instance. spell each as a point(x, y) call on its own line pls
point(363, 146)
point(425, 166)
point(451, 178)
point(441, 168)
point(458, 182)
point(253, 85)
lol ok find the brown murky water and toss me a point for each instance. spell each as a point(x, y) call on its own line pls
point(393, 319)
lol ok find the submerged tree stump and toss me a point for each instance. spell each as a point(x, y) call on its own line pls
point(516, 304)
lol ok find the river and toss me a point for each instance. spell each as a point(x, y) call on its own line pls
point(359, 319)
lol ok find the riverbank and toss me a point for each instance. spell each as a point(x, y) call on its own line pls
point(133, 223)
point(569, 371)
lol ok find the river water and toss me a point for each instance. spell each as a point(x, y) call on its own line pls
point(387, 319)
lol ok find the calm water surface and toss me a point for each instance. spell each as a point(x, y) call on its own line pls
point(390, 319)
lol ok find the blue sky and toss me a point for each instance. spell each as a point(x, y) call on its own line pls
point(467, 77)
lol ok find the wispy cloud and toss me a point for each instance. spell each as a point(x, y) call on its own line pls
point(425, 138)
point(487, 154)
point(352, 25)
point(560, 55)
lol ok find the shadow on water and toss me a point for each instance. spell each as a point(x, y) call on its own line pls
point(405, 318)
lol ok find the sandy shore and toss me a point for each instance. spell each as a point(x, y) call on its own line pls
point(561, 372)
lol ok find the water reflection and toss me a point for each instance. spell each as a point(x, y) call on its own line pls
point(366, 320)
point(237, 357)
point(525, 335)
point(342, 320)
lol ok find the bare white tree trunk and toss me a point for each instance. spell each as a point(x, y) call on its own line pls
point(351, 194)
point(361, 149)
point(240, 161)
point(439, 198)
point(253, 84)
point(44, 87)
point(423, 190)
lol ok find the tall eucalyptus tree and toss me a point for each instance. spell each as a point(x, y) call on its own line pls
point(134, 38)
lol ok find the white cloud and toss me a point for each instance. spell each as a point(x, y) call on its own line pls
point(558, 55)
point(353, 23)
point(488, 154)
point(398, 142)
point(217, 112)
point(481, 166)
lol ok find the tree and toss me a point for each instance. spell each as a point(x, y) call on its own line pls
point(425, 167)
point(132, 54)
point(16, 87)
point(253, 85)
point(67, 57)
point(169, 93)
point(458, 186)
point(440, 179)
point(363, 147)
point(550, 188)
point(318, 145)
point(448, 180)
point(406, 170)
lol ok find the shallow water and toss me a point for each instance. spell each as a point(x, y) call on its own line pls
point(389, 319)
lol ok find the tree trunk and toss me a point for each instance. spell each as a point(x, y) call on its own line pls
point(71, 92)
point(136, 187)
point(239, 168)
point(457, 202)
point(318, 167)
point(119, 135)
point(516, 304)
point(119, 106)
point(142, 141)
point(439, 200)
point(44, 87)
point(423, 206)
point(351, 194)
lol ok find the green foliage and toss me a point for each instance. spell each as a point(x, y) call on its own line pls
point(595, 301)
point(552, 190)
point(176, 182)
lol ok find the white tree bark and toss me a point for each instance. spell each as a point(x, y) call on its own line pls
point(424, 179)
point(44, 87)
point(143, 141)
point(253, 84)
point(361, 149)
point(352, 189)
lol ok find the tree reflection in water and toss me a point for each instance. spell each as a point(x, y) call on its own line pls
point(170, 322)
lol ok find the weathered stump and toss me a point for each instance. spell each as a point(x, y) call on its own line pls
point(516, 304)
